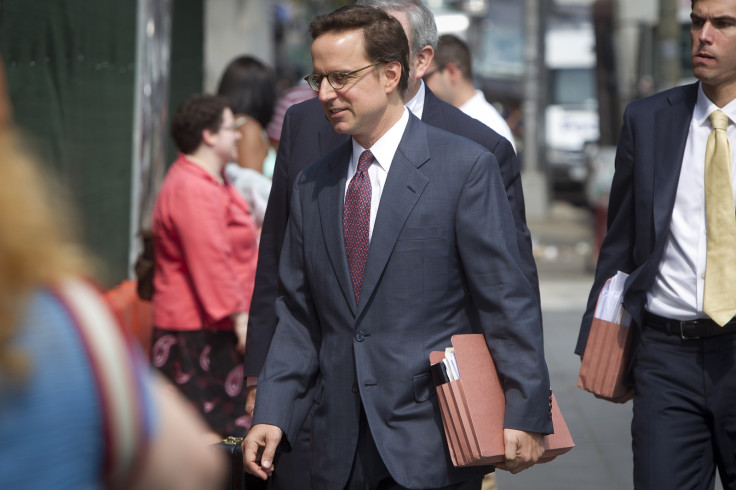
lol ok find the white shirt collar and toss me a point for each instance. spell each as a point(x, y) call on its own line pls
point(384, 149)
point(416, 104)
point(704, 108)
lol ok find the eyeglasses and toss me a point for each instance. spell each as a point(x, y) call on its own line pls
point(336, 79)
point(431, 72)
point(237, 122)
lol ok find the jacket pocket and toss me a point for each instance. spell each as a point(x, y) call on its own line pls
point(423, 387)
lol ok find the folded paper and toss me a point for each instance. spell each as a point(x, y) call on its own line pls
point(606, 357)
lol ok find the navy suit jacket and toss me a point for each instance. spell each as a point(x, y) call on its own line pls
point(305, 137)
point(443, 260)
point(648, 163)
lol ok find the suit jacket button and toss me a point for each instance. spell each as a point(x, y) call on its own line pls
point(355, 388)
point(360, 336)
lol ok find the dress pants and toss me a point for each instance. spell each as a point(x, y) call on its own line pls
point(684, 423)
point(370, 473)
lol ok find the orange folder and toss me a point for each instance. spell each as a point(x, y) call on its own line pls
point(605, 361)
point(473, 408)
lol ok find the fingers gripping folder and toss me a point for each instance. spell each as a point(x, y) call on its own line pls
point(473, 404)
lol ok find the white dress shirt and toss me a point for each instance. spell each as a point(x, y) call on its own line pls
point(479, 108)
point(677, 292)
point(416, 104)
point(383, 151)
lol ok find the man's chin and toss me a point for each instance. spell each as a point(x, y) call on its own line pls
point(339, 127)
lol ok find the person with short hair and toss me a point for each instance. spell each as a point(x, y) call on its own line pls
point(672, 229)
point(205, 244)
point(307, 136)
point(398, 239)
point(450, 77)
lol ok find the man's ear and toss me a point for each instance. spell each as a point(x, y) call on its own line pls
point(392, 72)
point(422, 60)
point(454, 72)
point(208, 137)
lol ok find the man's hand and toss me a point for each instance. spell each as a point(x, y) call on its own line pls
point(259, 448)
point(250, 399)
point(523, 449)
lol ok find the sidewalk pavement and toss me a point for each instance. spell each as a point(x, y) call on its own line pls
point(602, 458)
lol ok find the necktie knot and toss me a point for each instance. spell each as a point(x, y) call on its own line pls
point(719, 120)
point(365, 160)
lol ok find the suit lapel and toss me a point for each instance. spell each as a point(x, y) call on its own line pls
point(672, 124)
point(404, 185)
point(431, 112)
point(331, 198)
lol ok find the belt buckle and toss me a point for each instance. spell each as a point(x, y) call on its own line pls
point(682, 332)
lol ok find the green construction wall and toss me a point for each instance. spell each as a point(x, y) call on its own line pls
point(70, 66)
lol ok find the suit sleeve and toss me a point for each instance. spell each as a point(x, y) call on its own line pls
point(502, 297)
point(508, 164)
point(262, 320)
point(287, 378)
point(616, 253)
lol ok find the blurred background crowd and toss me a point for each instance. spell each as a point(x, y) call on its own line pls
point(96, 84)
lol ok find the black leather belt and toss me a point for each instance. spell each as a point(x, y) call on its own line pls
point(690, 329)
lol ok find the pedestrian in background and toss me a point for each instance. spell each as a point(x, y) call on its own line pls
point(64, 422)
point(250, 87)
point(205, 258)
point(672, 228)
point(450, 77)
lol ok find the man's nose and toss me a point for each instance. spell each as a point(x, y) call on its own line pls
point(706, 33)
point(326, 92)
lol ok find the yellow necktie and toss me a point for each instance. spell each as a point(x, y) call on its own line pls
point(719, 297)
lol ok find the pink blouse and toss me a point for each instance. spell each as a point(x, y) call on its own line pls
point(206, 250)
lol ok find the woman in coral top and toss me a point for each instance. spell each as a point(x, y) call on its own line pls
point(206, 252)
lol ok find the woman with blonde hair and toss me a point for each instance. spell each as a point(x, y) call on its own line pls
point(79, 409)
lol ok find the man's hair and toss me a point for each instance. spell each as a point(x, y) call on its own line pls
point(194, 115)
point(384, 38)
point(422, 28)
point(452, 49)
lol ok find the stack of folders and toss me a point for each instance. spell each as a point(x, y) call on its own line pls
point(473, 405)
point(606, 354)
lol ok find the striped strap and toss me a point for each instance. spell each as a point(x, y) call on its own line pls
point(110, 351)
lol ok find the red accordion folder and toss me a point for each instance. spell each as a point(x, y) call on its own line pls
point(474, 405)
point(605, 360)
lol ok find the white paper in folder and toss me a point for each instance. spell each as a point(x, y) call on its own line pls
point(610, 302)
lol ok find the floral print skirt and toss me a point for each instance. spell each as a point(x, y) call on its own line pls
point(207, 368)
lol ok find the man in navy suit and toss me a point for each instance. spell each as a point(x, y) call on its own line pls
point(440, 258)
point(307, 135)
point(683, 363)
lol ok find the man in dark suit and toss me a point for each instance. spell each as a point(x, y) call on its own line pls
point(390, 251)
point(660, 232)
point(307, 135)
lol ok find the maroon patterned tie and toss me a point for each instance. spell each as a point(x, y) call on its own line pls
point(356, 221)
